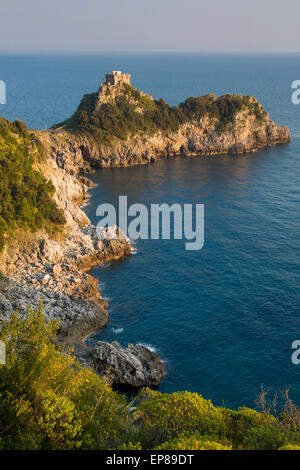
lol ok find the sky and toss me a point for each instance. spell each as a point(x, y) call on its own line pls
point(150, 25)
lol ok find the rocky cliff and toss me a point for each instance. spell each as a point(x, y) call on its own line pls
point(55, 270)
point(75, 153)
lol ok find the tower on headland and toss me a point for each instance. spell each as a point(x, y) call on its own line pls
point(117, 84)
point(111, 86)
point(116, 77)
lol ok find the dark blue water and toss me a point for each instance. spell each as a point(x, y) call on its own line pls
point(223, 318)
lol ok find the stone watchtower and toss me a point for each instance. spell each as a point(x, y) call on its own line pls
point(114, 85)
point(111, 87)
point(116, 77)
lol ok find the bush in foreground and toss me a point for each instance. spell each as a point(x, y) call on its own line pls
point(48, 401)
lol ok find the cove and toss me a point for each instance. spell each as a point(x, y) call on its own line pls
point(223, 317)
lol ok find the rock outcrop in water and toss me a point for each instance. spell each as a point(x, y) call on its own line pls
point(133, 365)
point(56, 273)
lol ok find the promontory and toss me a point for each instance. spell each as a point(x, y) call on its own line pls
point(119, 125)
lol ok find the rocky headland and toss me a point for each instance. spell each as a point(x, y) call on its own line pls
point(121, 126)
point(117, 126)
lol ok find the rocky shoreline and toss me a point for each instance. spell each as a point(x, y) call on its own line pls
point(55, 272)
point(57, 269)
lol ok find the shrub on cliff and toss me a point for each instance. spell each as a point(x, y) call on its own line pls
point(164, 417)
point(195, 442)
point(184, 420)
point(25, 195)
point(47, 400)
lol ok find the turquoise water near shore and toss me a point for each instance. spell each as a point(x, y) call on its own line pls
point(223, 318)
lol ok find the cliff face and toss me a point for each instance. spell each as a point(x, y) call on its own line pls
point(75, 153)
point(55, 270)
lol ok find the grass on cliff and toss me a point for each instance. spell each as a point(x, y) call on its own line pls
point(48, 401)
point(25, 195)
point(131, 113)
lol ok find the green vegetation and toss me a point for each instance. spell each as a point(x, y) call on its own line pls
point(131, 113)
point(25, 195)
point(47, 401)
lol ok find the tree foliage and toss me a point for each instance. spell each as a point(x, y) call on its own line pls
point(49, 401)
point(25, 195)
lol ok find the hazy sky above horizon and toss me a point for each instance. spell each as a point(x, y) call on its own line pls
point(153, 25)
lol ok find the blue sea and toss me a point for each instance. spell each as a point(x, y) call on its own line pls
point(223, 318)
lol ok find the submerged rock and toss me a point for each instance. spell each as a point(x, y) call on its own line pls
point(133, 365)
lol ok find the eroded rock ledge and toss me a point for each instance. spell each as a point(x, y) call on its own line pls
point(133, 365)
point(76, 153)
point(56, 272)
